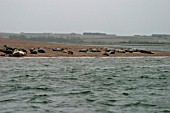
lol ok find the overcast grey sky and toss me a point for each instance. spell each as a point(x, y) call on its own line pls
point(121, 17)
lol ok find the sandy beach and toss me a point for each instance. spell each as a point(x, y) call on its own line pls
point(67, 47)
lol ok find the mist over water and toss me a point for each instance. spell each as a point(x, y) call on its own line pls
point(85, 85)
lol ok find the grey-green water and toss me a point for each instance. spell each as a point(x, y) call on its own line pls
point(159, 48)
point(85, 85)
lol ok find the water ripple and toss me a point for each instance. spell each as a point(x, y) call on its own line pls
point(85, 85)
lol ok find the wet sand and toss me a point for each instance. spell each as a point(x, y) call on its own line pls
point(68, 47)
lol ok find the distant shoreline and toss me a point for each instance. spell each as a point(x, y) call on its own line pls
point(70, 47)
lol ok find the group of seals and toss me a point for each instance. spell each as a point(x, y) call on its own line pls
point(39, 50)
point(63, 50)
point(108, 51)
point(16, 52)
point(90, 50)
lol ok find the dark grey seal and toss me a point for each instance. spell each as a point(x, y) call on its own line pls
point(146, 51)
point(33, 51)
point(41, 50)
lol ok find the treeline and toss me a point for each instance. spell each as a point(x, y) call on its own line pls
point(143, 42)
point(89, 33)
point(47, 38)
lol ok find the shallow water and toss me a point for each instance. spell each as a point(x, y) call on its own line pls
point(85, 85)
point(159, 48)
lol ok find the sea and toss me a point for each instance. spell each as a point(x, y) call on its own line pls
point(85, 85)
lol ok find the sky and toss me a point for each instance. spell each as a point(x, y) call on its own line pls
point(120, 17)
